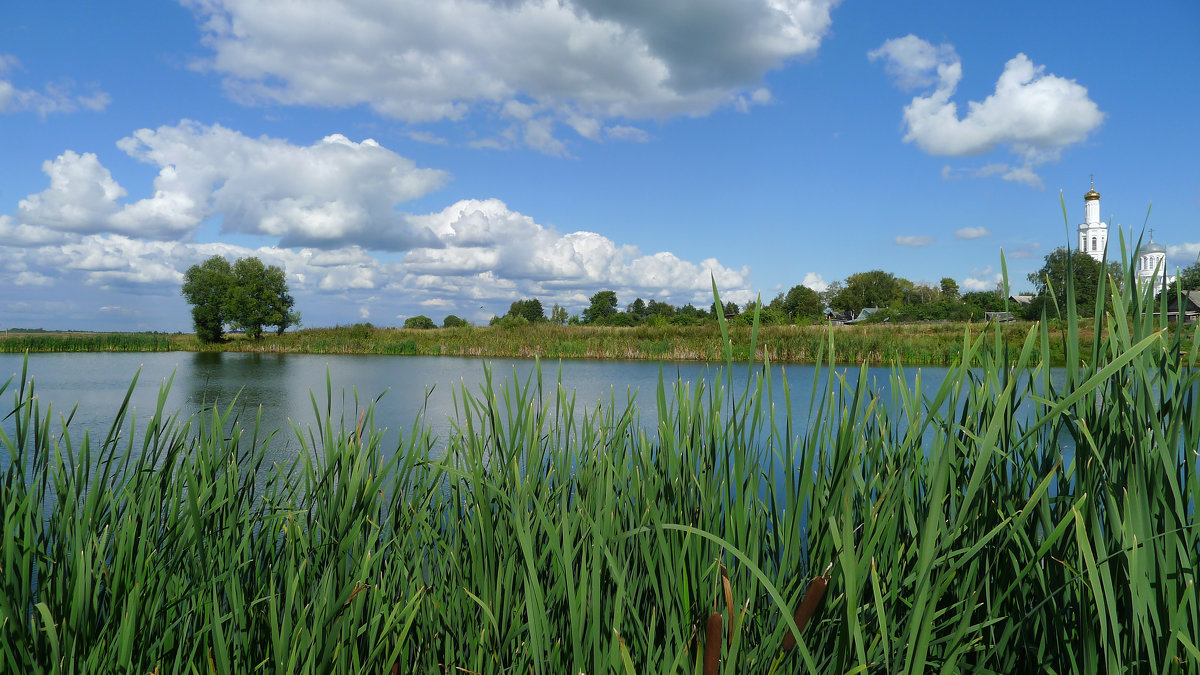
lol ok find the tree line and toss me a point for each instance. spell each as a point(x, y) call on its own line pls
point(897, 299)
point(248, 296)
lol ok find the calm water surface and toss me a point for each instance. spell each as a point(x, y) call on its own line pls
point(281, 385)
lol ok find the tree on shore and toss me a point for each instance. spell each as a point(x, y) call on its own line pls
point(246, 295)
point(875, 288)
point(419, 322)
point(206, 288)
point(531, 310)
point(800, 302)
point(604, 305)
point(1085, 279)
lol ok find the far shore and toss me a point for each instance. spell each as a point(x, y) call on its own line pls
point(937, 344)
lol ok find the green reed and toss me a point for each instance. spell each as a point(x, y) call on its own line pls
point(546, 535)
point(913, 344)
point(20, 343)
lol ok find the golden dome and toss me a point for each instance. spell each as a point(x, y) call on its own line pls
point(1091, 194)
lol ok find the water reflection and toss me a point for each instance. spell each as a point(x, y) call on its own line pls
point(283, 389)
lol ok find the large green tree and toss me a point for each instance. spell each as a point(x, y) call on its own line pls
point(1085, 278)
point(875, 288)
point(246, 295)
point(258, 298)
point(530, 310)
point(206, 288)
point(800, 302)
point(604, 305)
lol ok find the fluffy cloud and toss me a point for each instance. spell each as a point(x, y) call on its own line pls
point(1033, 113)
point(425, 61)
point(1184, 254)
point(54, 98)
point(982, 280)
point(26, 235)
point(113, 261)
point(815, 281)
point(328, 194)
point(483, 240)
point(330, 209)
point(914, 241)
point(480, 252)
point(82, 196)
point(916, 64)
point(972, 233)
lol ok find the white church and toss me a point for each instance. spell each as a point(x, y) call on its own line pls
point(1093, 238)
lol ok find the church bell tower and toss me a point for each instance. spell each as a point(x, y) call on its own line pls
point(1093, 234)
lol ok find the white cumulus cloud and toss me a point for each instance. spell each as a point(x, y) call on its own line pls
point(916, 64)
point(330, 211)
point(328, 194)
point(1033, 113)
point(1184, 254)
point(815, 281)
point(82, 196)
point(484, 240)
point(427, 61)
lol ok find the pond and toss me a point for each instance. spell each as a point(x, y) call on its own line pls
point(283, 386)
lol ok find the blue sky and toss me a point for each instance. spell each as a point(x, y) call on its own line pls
point(449, 157)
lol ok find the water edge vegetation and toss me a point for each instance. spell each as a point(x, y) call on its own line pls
point(937, 344)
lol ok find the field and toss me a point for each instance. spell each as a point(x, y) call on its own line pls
point(915, 531)
point(878, 344)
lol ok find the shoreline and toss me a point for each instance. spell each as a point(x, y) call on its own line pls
point(875, 344)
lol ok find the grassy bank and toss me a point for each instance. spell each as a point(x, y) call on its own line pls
point(912, 344)
point(955, 533)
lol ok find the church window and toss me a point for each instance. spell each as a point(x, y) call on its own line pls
point(1093, 243)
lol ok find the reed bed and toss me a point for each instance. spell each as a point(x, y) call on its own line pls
point(876, 344)
point(927, 344)
point(20, 343)
point(946, 527)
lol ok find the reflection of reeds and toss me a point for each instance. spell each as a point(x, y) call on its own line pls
point(546, 539)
